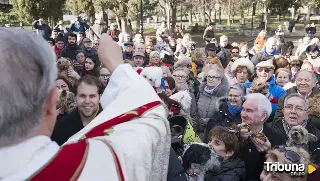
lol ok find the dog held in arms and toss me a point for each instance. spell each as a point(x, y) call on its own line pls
point(197, 159)
point(299, 137)
point(63, 65)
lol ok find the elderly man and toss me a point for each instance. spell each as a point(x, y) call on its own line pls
point(267, 52)
point(98, 28)
point(265, 72)
point(302, 47)
point(224, 54)
point(138, 59)
point(295, 112)
point(305, 86)
point(255, 111)
point(29, 114)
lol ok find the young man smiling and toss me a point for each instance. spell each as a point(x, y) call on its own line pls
point(87, 91)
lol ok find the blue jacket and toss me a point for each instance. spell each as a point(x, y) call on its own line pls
point(77, 27)
point(275, 90)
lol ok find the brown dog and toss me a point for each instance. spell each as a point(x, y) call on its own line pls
point(259, 86)
point(64, 65)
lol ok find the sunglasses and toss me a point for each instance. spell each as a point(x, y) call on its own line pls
point(295, 65)
point(289, 154)
point(267, 70)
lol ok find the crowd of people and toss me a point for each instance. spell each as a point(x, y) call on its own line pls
point(240, 101)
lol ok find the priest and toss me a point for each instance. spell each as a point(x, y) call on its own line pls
point(129, 140)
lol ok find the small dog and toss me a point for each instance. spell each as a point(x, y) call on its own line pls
point(299, 137)
point(314, 105)
point(259, 86)
point(66, 102)
point(64, 65)
point(198, 158)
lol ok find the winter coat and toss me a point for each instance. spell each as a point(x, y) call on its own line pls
point(261, 56)
point(43, 29)
point(221, 117)
point(230, 170)
point(78, 27)
point(127, 56)
point(276, 91)
point(175, 170)
point(208, 33)
point(69, 52)
point(310, 128)
point(207, 103)
point(223, 56)
point(279, 114)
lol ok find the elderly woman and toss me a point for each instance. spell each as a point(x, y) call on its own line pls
point(154, 59)
point(241, 70)
point(214, 86)
point(265, 72)
point(295, 112)
point(281, 155)
point(229, 109)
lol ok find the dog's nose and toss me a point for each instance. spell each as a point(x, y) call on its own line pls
point(295, 133)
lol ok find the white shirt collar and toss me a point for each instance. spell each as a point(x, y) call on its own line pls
point(305, 97)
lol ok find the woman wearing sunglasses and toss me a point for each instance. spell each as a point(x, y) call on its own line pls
point(285, 155)
point(264, 71)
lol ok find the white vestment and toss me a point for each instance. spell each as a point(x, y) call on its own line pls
point(142, 145)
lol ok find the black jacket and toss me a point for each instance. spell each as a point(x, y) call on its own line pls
point(310, 128)
point(69, 52)
point(254, 160)
point(222, 117)
point(44, 29)
point(67, 126)
point(175, 169)
point(231, 170)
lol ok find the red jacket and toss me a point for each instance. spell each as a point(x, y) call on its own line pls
point(56, 50)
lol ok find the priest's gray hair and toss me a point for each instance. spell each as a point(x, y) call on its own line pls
point(28, 73)
point(264, 104)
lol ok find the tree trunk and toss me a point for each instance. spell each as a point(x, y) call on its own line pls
point(229, 13)
point(137, 23)
point(190, 16)
point(278, 17)
point(203, 13)
point(308, 15)
point(210, 15)
point(118, 22)
point(124, 25)
point(220, 15)
point(243, 19)
point(168, 12)
point(174, 16)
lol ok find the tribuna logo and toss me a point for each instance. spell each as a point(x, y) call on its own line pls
point(293, 169)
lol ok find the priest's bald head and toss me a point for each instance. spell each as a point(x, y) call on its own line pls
point(27, 86)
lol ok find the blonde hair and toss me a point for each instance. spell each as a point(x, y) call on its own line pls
point(166, 70)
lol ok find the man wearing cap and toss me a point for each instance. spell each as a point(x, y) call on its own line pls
point(138, 59)
point(209, 32)
point(211, 50)
point(265, 72)
point(128, 51)
point(87, 46)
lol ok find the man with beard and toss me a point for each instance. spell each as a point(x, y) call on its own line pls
point(70, 50)
point(87, 96)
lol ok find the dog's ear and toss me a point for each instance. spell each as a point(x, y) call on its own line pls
point(312, 137)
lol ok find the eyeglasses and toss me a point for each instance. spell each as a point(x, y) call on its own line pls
point(295, 65)
point(289, 154)
point(235, 52)
point(179, 76)
point(296, 108)
point(105, 75)
point(267, 70)
point(213, 77)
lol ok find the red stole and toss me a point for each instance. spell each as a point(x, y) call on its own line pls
point(68, 163)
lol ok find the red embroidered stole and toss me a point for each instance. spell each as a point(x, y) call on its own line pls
point(70, 160)
point(66, 165)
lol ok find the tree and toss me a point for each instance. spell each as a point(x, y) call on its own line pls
point(280, 7)
point(102, 6)
point(29, 10)
point(82, 6)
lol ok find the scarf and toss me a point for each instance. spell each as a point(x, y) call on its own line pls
point(211, 90)
point(233, 109)
point(267, 54)
point(287, 128)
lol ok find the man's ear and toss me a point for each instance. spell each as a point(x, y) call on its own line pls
point(229, 153)
point(52, 100)
point(264, 116)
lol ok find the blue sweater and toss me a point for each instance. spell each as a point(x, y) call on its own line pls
point(275, 90)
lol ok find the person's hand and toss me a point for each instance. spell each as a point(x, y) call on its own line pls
point(109, 53)
point(244, 133)
point(261, 145)
point(73, 74)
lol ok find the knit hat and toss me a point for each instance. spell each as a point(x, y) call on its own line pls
point(154, 54)
point(211, 47)
point(243, 62)
point(182, 62)
point(265, 64)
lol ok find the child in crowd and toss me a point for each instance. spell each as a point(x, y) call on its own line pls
point(225, 141)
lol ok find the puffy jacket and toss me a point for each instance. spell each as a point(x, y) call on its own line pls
point(221, 117)
point(231, 170)
point(276, 91)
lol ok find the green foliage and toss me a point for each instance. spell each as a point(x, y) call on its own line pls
point(29, 10)
point(9, 17)
point(82, 6)
point(281, 7)
point(148, 7)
